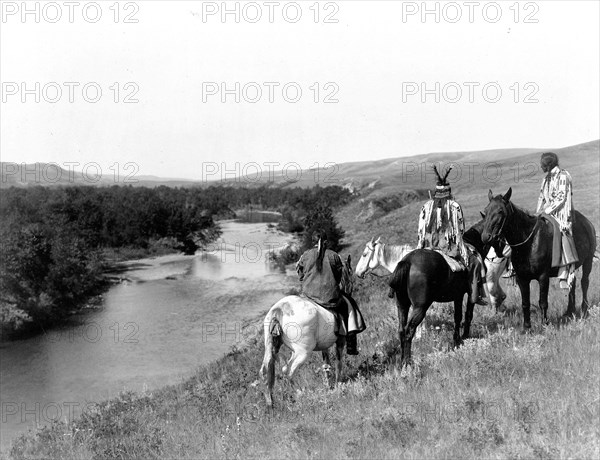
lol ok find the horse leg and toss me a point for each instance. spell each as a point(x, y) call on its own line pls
point(495, 291)
point(403, 308)
point(294, 363)
point(571, 311)
point(586, 268)
point(339, 354)
point(416, 318)
point(468, 319)
point(457, 320)
point(326, 367)
point(544, 283)
point(525, 303)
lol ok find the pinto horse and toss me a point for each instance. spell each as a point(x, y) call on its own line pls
point(303, 326)
point(530, 238)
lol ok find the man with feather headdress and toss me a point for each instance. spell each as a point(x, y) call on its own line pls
point(441, 227)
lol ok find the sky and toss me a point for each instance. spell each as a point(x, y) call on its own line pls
point(150, 87)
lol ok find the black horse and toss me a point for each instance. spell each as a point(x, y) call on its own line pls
point(424, 277)
point(531, 240)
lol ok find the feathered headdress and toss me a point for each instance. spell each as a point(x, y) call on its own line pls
point(442, 188)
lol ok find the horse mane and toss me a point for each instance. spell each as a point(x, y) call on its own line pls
point(395, 250)
point(523, 210)
point(516, 207)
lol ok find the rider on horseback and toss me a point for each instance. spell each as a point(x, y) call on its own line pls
point(441, 227)
point(320, 272)
point(556, 194)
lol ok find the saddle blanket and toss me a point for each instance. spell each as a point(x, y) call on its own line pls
point(564, 251)
point(454, 264)
point(556, 239)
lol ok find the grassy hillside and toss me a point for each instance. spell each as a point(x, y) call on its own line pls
point(501, 395)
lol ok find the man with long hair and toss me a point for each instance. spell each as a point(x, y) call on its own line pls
point(320, 272)
point(556, 200)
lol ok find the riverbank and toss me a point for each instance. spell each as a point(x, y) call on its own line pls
point(16, 324)
point(483, 400)
point(165, 317)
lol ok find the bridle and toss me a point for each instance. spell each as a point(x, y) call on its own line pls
point(497, 235)
point(371, 247)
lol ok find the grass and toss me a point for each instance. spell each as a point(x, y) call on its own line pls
point(503, 394)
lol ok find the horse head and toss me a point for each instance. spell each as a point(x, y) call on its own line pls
point(368, 260)
point(494, 217)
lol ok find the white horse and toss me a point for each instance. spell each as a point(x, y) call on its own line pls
point(303, 326)
point(378, 254)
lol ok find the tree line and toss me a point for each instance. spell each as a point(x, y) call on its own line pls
point(54, 241)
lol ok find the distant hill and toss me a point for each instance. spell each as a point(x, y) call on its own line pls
point(473, 171)
point(51, 174)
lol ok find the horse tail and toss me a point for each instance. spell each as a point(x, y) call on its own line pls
point(273, 341)
point(399, 280)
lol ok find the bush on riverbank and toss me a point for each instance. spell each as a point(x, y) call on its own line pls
point(46, 272)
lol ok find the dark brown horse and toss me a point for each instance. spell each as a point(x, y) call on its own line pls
point(531, 240)
point(424, 277)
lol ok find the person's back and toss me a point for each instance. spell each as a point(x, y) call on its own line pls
point(441, 223)
point(320, 273)
point(441, 227)
point(320, 281)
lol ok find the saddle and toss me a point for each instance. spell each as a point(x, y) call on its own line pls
point(455, 265)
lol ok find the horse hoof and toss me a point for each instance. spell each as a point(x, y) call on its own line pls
point(567, 318)
point(269, 400)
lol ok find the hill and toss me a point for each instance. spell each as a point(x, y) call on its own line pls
point(472, 169)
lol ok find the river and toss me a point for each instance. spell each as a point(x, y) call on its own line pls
point(168, 316)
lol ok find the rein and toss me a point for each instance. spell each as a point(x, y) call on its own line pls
point(526, 239)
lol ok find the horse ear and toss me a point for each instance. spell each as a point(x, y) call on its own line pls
point(482, 214)
point(490, 195)
point(372, 240)
point(378, 240)
point(349, 260)
point(506, 197)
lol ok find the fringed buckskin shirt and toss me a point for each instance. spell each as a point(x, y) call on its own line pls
point(556, 198)
point(442, 228)
point(323, 286)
